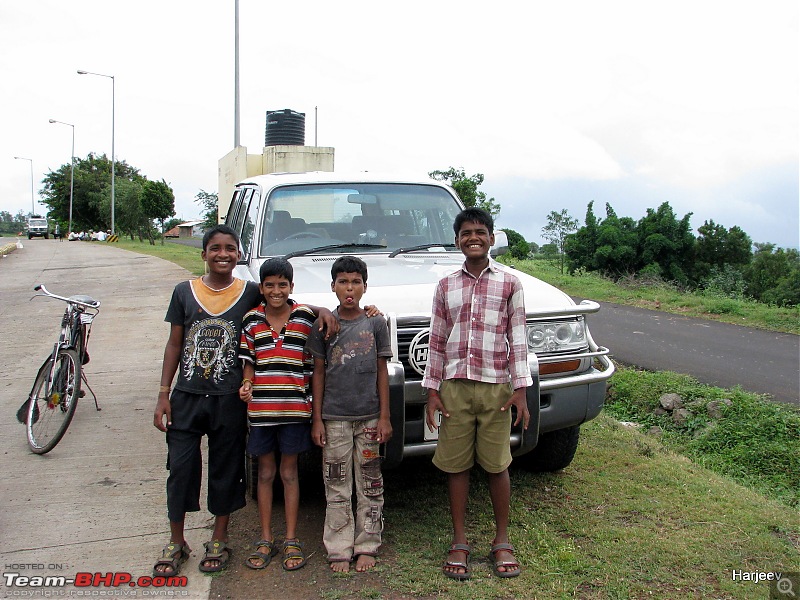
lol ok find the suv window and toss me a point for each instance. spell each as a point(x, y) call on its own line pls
point(390, 216)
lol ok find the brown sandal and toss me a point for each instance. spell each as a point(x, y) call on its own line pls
point(457, 564)
point(172, 556)
point(292, 550)
point(511, 566)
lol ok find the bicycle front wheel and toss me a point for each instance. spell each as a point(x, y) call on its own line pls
point(53, 400)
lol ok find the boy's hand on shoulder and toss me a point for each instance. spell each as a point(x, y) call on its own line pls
point(372, 311)
point(519, 401)
point(327, 322)
point(384, 430)
point(318, 433)
point(163, 409)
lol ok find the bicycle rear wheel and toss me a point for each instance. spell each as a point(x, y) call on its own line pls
point(53, 400)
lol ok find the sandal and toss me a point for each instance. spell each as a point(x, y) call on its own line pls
point(511, 566)
point(264, 557)
point(292, 550)
point(172, 556)
point(457, 564)
point(216, 550)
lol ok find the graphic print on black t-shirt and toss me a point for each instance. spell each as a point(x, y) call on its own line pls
point(210, 350)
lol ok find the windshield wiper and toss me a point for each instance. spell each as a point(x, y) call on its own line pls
point(420, 247)
point(330, 247)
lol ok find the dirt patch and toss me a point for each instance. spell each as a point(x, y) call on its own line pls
point(315, 580)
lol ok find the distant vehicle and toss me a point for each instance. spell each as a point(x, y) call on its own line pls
point(403, 229)
point(38, 227)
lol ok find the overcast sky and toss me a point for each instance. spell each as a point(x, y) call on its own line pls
point(633, 103)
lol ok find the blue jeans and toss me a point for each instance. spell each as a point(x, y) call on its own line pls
point(352, 454)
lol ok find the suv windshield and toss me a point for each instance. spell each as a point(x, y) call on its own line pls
point(382, 217)
point(37, 223)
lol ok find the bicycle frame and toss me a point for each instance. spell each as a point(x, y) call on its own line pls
point(76, 325)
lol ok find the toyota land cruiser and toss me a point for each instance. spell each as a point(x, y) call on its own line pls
point(403, 229)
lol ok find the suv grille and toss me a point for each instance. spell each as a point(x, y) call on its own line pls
point(406, 331)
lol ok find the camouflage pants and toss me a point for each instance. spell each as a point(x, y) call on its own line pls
point(350, 455)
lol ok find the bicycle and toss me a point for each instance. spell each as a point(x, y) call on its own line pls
point(50, 406)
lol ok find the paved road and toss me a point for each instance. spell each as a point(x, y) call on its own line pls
point(96, 503)
point(715, 353)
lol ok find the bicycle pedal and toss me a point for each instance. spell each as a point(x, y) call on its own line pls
point(82, 393)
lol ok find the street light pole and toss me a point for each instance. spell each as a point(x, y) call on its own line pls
point(236, 77)
point(71, 171)
point(113, 120)
point(33, 206)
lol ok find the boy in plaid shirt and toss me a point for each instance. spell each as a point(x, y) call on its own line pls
point(477, 370)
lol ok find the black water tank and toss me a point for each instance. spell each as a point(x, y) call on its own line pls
point(285, 127)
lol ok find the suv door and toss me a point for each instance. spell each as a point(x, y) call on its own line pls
point(242, 217)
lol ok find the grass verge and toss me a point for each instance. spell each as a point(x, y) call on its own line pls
point(663, 297)
point(184, 256)
point(754, 441)
point(628, 519)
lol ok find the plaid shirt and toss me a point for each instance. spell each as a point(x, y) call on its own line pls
point(478, 329)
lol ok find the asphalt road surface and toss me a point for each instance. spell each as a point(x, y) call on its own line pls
point(715, 353)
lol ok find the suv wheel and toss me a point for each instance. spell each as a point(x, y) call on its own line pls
point(555, 451)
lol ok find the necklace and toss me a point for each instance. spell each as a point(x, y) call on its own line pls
point(222, 289)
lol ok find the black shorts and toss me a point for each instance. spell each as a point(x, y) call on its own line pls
point(224, 420)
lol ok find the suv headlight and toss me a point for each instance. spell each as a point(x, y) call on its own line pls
point(556, 336)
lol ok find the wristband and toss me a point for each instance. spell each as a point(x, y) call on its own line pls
point(163, 388)
point(245, 380)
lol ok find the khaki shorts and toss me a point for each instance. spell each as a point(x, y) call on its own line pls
point(476, 429)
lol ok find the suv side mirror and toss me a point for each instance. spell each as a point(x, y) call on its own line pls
point(500, 244)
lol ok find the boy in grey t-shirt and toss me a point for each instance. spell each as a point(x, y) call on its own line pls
point(351, 419)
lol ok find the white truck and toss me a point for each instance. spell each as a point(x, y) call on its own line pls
point(38, 227)
point(403, 229)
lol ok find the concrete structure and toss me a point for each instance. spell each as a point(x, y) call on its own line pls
point(238, 165)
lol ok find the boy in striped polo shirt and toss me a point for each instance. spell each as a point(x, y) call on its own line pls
point(279, 410)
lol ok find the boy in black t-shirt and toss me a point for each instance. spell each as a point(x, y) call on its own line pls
point(205, 315)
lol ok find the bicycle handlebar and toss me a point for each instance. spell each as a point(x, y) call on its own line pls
point(79, 300)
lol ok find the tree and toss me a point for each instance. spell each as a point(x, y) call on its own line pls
point(210, 203)
point(666, 245)
point(513, 237)
point(559, 226)
point(158, 202)
point(773, 275)
point(467, 189)
point(91, 196)
point(130, 218)
point(716, 247)
point(12, 223)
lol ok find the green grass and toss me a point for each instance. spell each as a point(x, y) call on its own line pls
point(628, 519)
point(663, 297)
point(184, 256)
point(754, 441)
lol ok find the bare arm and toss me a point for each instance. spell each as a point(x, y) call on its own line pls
point(384, 420)
point(169, 367)
point(318, 391)
point(246, 390)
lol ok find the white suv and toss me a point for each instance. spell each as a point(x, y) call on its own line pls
point(403, 229)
